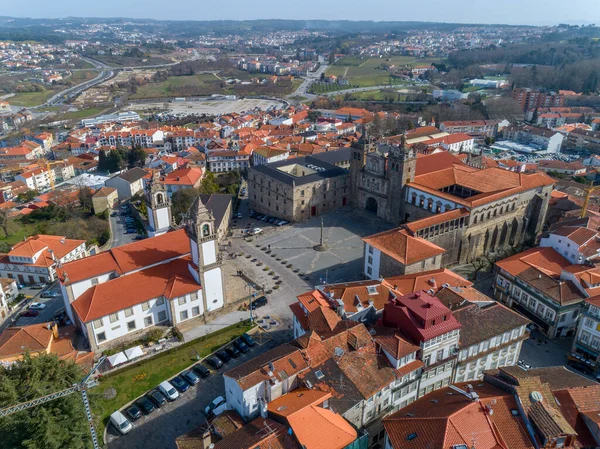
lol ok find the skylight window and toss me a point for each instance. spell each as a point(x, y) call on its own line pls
point(372, 290)
point(319, 374)
point(411, 436)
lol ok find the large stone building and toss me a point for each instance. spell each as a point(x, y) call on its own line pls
point(298, 189)
point(465, 210)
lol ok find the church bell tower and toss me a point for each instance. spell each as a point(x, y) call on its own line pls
point(158, 206)
point(204, 248)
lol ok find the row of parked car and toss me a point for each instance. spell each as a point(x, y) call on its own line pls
point(169, 391)
point(267, 218)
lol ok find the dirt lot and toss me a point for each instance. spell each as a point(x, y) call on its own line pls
point(204, 107)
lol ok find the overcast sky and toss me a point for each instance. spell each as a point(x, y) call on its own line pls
point(534, 12)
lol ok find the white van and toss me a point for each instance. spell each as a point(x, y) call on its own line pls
point(168, 390)
point(121, 423)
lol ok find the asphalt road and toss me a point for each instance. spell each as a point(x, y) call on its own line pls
point(117, 229)
point(159, 429)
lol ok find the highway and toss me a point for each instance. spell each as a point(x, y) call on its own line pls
point(105, 73)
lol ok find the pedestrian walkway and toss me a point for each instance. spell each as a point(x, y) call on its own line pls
point(218, 323)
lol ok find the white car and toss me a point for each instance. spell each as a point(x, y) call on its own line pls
point(121, 423)
point(37, 306)
point(216, 407)
point(257, 231)
point(168, 390)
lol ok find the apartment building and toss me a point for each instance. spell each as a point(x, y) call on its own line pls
point(37, 258)
point(531, 99)
point(479, 129)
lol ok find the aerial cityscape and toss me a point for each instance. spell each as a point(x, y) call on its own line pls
point(331, 230)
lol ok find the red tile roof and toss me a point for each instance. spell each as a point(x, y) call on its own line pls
point(446, 418)
point(127, 258)
point(169, 280)
point(403, 247)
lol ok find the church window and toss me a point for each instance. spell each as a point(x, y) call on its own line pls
point(159, 198)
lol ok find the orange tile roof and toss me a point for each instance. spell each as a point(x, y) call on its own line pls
point(425, 281)
point(436, 219)
point(296, 400)
point(183, 176)
point(319, 428)
point(403, 247)
point(127, 258)
point(49, 245)
point(443, 420)
point(169, 280)
point(15, 341)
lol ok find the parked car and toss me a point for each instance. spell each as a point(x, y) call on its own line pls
point(157, 398)
point(243, 347)
point(145, 404)
point(238, 215)
point(37, 306)
point(223, 355)
point(49, 294)
point(232, 351)
point(38, 286)
point(216, 407)
point(257, 231)
point(259, 302)
point(139, 237)
point(168, 390)
point(29, 314)
point(247, 339)
point(134, 412)
point(131, 231)
point(272, 220)
point(179, 383)
point(202, 370)
point(190, 377)
point(121, 423)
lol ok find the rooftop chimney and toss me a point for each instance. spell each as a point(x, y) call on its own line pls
point(432, 282)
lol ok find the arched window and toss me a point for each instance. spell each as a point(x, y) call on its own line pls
point(205, 230)
point(159, 198)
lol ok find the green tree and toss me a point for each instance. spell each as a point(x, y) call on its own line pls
point(58, 424)
point(4, 221)
point(181, 201)
point(209, 185)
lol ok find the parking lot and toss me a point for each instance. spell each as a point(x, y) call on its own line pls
point(118, 225)
point(52, 306)
point(160, 428)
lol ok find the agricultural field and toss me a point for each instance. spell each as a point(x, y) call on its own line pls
point(129, 61)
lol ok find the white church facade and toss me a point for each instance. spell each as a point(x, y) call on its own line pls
point(167, 279)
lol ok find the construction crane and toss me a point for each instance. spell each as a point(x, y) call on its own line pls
point(588, 193)
point(80, 387)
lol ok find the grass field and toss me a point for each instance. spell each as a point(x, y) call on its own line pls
point(366, 72)
point(29, 99)
point(128, 61)
point(82, 113)
point(205, 82)
point(134, 381)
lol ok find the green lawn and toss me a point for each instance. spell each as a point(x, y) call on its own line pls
point(17, 232)
point(134, 381)
point(82, 113)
